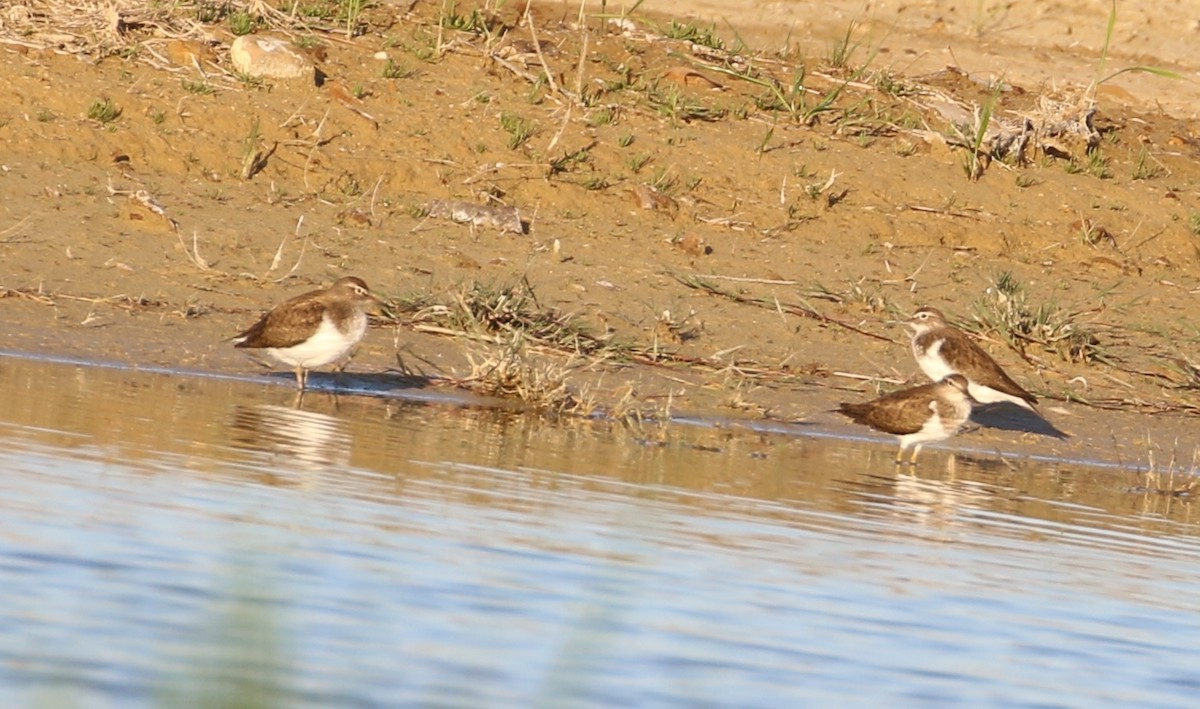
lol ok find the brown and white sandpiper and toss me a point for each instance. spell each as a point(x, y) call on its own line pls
point(929, 412)
point(313, 329)
point(942, 349)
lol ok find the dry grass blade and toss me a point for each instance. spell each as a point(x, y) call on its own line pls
point(699, 283)
point(12, 233)
point(124, 302)
point(279, 254)
point(194, 253)
point(37, 297)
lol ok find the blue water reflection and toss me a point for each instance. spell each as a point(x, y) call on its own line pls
point(169, 542)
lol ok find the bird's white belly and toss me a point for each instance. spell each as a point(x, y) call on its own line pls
point(932, 364)
point(934, 429)
point(328, 344)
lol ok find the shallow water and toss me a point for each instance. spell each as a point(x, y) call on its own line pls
point(172, 539)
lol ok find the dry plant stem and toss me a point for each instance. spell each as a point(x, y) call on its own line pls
point(579, 69)
point(947, 212)
point(122, 301)
point(439, 330)
point(374, 195)
point(561, 129)
point(194, 255)
point(494, 168)
point(867, 378)
point(279, 254)
point(316, 144)
point(297, 114)
point(26, 295)
point(803, 311)
point(9, 233)
point(537, 46)
point(515, 69)
point(439, 49)
point(740, 279)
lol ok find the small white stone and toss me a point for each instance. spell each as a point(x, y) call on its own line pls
point(381, 55)
point(624, 25)
point(269, 57)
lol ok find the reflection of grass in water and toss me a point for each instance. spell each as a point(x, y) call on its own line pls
point(238, 662)
point(235, 662)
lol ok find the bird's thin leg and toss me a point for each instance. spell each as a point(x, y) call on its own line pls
point(913, 459)
point(301, 378)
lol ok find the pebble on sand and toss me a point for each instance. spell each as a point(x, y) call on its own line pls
point(269, 57)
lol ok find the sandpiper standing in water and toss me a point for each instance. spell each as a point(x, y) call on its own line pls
point(941, 349)
point(313, 329)
point(929, 412)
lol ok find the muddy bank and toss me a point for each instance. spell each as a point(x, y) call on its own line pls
point(736, 225)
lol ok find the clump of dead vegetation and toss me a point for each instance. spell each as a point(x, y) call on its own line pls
point(498, 314)
point(509, 371)
point(133, 28)
point(1172, 480)
point(1005, 311)
point(517, 348)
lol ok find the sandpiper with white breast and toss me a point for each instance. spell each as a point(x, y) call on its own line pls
point(929, 412)
point(941, 349)
point(313, 329)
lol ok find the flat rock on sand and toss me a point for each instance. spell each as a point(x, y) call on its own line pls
point(269, 57)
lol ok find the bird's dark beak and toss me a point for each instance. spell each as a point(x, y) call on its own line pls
point(380, 305)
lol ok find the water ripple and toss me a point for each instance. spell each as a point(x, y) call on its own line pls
point(186, 545)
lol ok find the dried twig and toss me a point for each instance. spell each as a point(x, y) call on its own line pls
point(793, 309)
point(194, 254)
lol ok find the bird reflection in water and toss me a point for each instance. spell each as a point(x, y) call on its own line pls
point(294, 438)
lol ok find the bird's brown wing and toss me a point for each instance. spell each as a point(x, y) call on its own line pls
point(899, 413)
point(986, 372)
point(288, 324)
